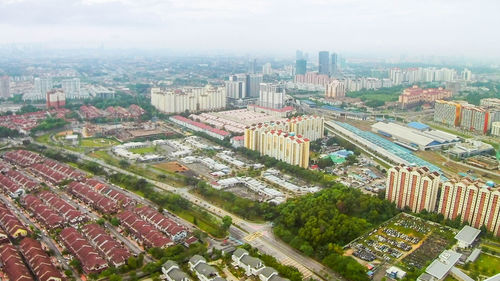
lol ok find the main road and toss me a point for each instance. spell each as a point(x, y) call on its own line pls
point(259, 235)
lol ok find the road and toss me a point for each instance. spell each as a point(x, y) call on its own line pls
point(266, 242)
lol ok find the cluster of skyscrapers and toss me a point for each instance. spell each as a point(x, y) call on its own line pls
point(467, 116)
point(476, 202)
point(286, 141)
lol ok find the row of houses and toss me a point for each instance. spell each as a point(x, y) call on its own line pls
point(166, 225)
point(13, 265)
point(55, 172)
point(10, 188)
point(38, 261)
point(143, 231)
point(22, 180)
point(11, 224)
point(23, 158)
point(74, 242)
point(45, 215)
point(66, 210)
point(97, 201)
point(108, 247)
point(116, 196)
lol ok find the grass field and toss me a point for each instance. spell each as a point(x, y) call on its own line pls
point(486, 265)
point(98, 142)
point(143, 150)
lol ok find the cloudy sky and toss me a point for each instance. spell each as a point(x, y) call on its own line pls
point(440, 27)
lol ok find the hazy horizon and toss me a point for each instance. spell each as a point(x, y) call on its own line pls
point(441, 28)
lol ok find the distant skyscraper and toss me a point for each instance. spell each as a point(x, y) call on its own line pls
point(4, 87)
point(324, 62)
point(333, 63)
point(267, 69)
point(300, 67)
point(299, 55)
point(71, 87)
point(335, 89)
point(466, 75)
point(43, 85)
point(252, 66)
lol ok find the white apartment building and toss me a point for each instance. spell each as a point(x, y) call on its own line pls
point(194, 99)
point(72, 88)
point(272, 95)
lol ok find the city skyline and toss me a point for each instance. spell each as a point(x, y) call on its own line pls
point(373, 27)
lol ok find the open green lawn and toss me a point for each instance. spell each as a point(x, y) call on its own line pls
point(143, 150)
point(44, 139)
point(486, 264)
point(207, 225)
point(98, 142)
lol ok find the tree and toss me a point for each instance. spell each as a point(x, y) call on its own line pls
point(226, 222)
point(124, 164)
point(115, 221)
point(115, 277)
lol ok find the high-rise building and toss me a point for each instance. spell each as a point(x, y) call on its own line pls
point(299, 55)
point(72, 88)
point(56, 98)
point(272, 95)
point(495, 129)
point(309, 126)
point(43, 85)
point(252, 66)
point(324, 63)
point(490, 102)
point(4, 86)
point(253, 85)
point(267, 69)
point(475, 202)
point(466, 75)
point(447, 112)
point(335, 89)
point(189, 99)
point(300, 67)
point(412, 187)
point(333, 63)
point(475, 119)
point(235, 88)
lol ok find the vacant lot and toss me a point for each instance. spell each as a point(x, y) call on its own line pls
point(172, 167)
point(143, 150)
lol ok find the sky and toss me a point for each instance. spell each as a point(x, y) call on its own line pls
point(428, 27)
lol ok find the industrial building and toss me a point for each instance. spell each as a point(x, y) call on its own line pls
point(470, 148)
point(415, 139)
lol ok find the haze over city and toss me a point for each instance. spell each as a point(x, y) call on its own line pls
point(380, 27)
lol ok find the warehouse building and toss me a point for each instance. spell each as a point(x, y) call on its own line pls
point(414, 139)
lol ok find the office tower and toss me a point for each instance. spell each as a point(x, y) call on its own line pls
point(235, 88)
point(333, 64)
point(43, 85)
point(412, 187)
point(267, 69)
point(335, 89)
point(272, 95)
point(475, 202)
point(300, 67)
point(299, 55)
point(253, 85)
point(55, 98)
point(324, 63)
point(252, 66)
point(192, 99)
point(4, 86)
point(71, 87)
point(466, 75)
